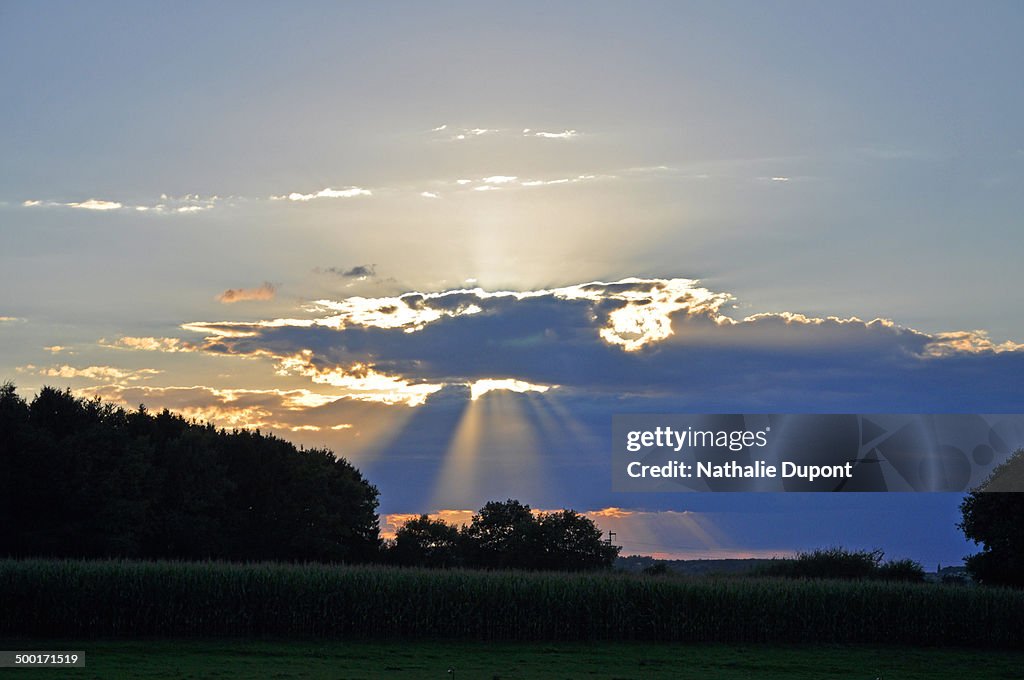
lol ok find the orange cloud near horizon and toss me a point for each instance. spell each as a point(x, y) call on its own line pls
point(232, 295)
point(664, 535)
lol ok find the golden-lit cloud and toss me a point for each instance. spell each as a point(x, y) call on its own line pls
point(391, 523)
point(968, 342)
point(268, 409)
point(151, 344)
point(479, 388)
point(408, 312)
point(104, 373)
point(402, 350)
point(664, 534)
point(358, 380)
point(264, 292)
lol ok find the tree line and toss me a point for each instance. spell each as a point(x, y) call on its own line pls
point(505, 535)
point(82, 478)
point(86, 479)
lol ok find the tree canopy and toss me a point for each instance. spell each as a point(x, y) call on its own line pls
point(82, 478)
point(506, 535)
point(992, 517)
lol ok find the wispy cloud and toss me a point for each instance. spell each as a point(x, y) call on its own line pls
point(564, 134)
point(348, 192)
point(167, 205)
point(267, 409)
point(102, 373)
point(264, 292)
point(360, 272)
point(493, 182)
point(460, 134)
point(150, 344)
point(96, 204)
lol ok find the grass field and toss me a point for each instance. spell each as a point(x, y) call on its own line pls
point(165, 660)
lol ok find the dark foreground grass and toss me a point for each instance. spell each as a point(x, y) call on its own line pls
point(527, 661)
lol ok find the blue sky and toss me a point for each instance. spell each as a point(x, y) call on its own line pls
point(219, 209)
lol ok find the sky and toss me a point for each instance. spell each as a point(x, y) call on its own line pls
point(450, 240)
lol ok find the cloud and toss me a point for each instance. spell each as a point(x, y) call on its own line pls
point(359, 380)
point(55, 349)
point(647, 338)
point(952, 343)
point(565, 134)
point(548, 368)
point(168, 205)
point(460, 134)
point(268, 409)
point(664, 534)
point(429, 194)
point(102, 373)
point(151, 344)
point(508, 181)
point(361, 271)
point(10, 319)
point(481, 387)
point(264, 292)
point(348, 192)
point(96, 204)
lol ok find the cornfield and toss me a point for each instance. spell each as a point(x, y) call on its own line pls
point(76, 599)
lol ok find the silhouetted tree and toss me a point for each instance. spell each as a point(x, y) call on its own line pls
point(80, 478)
point(510, 535)
point(502, 535)
point(571, 542)
point(840, 563)
point(427, 542)
point(993, 516)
